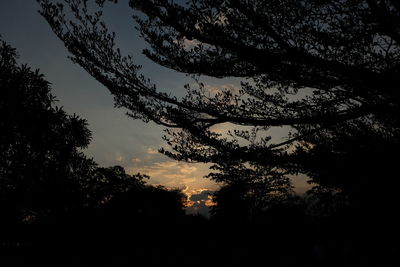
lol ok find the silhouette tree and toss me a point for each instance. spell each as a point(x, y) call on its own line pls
point(355, 174)
point(326, 70)
point(55, 203)
point(45, 177)
point(123, 198)
point(40, 159)
point(247, 193)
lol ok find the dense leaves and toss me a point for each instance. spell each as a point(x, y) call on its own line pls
point(45, 177)
point(327, 71)
point(41, 162)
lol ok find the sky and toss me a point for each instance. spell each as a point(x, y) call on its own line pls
point(117, 139)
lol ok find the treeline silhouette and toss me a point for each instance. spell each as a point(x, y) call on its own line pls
point(59, 207)
point(326, 70)
point(53, 199)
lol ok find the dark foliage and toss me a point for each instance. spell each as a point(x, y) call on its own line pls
point(41, 166)
point(326, 70)
point(44, 175)
point(55, 203)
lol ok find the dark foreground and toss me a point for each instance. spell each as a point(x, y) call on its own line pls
point(198, 242)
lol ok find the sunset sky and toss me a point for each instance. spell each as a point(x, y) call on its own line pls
point(117, 139)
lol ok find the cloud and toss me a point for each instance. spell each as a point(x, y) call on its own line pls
point(214, 89)
point(199, 201)
point(151, 151)
point(222, 128)
point(189, 180)
point(174, 176)
point(210, 201)
point(136, 160)
point(119, 157)
point(172, 173)
point(153, 172)
point(166, 164)
point(200, 196)
point(186, 169)
point(187, 44)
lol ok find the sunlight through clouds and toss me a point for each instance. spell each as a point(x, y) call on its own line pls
point(170, 173)
point(199, 201)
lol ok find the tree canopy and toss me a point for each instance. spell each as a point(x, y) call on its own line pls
point(44, 175)
point(41, 161)
point(327, 70)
